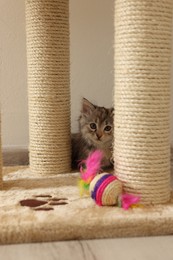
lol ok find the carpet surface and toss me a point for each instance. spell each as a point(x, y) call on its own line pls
point(41, 208)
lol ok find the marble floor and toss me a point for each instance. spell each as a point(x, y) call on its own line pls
point(145, 248)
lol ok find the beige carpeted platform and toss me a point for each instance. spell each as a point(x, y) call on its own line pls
point(58, 212)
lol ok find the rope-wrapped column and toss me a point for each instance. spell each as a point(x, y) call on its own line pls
point(142, 97)
point(1, 164)
point(47, 30)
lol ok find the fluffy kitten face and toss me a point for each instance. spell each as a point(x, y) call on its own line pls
point(96, 124)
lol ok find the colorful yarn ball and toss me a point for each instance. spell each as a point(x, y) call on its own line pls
point(105, 189)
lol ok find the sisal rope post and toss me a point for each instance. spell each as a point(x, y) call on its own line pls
point(47, 30)
point(142, 97)
point(1, 164)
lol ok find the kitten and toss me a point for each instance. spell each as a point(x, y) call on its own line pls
point(95, 132)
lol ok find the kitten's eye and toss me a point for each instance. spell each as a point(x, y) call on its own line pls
point(93, 126)
point(108, 128)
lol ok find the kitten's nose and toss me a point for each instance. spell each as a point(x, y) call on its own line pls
point(99, 135)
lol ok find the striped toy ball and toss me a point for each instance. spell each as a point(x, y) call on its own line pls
point(105, 189)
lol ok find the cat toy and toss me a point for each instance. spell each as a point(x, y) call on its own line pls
point(104, 188)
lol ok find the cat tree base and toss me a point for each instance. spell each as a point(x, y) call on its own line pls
point(49, 208)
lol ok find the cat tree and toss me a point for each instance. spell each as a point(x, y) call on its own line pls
point(142, 129)
point(142, 92)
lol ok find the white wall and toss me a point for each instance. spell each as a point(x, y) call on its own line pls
point(13, 88)
point(91, 53)
point(91, 24)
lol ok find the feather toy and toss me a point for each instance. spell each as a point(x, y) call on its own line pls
point(105, 188)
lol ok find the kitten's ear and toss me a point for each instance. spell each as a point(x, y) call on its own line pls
point(111, 112)
point(87, 107)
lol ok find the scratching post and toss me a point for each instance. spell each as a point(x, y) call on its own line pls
point(142, 97)
point(1, 176)
point(47, 30)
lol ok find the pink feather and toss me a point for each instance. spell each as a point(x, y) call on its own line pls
point(128, 200)
point(92, 164)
